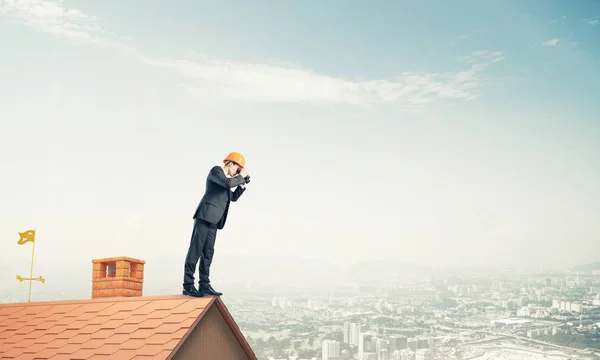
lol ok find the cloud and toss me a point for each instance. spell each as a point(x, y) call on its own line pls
point(260, 82)
point(482, 57)
point(551, 42)
point(592, 22)
point(209, 76)
point(67, 23)
point(462, 37)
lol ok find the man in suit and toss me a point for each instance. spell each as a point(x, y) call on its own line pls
point(209, 217)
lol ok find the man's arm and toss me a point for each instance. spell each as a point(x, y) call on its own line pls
point(217, 175)
point(235, 195)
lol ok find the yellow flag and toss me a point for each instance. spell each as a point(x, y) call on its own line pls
point(26, 236)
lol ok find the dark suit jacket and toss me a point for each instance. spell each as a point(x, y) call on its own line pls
point(214, 206)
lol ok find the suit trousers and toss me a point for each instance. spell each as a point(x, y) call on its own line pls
point(202, 247)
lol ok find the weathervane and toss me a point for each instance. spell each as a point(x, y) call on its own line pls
point(25, 237)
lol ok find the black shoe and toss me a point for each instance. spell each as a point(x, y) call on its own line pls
point(192, 292)
point(208, 290)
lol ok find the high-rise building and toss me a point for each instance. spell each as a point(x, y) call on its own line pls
point(351, 333)
point(365, 344)
point(397, 342)
point(330, 350)
point(431, 343)
point(382, 354)
point(354, 334)
point(281, 302)
point(346, 333)
point(373, 346)
point(380, 344)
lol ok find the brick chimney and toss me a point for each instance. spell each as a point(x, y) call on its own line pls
point(117, 277)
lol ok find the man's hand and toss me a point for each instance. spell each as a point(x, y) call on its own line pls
point(243, 172)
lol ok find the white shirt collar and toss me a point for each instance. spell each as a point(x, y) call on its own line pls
point(225, 172)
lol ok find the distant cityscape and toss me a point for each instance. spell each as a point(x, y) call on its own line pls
point(413, 315)
point(550, 316)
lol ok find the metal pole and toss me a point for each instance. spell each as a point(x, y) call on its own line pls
point(31, 269)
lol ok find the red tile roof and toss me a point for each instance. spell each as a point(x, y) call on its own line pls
point(104, 328)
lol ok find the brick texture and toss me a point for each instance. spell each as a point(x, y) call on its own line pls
point(126, 281)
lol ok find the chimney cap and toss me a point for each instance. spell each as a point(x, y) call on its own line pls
point(118, 258)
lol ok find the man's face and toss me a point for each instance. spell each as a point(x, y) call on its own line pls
point(234, 169)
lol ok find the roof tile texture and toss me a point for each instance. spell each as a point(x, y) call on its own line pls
point(104, 328)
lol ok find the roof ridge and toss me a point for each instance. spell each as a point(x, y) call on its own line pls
point(102, 300)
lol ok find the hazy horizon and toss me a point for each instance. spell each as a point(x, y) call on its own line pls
point(434, 134)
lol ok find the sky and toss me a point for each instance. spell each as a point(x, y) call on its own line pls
point(459, 133)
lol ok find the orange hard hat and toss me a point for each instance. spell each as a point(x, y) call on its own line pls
point(236, 157)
